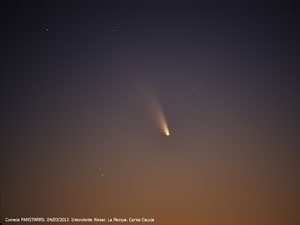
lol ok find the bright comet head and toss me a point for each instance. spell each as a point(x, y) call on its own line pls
point(167, 132)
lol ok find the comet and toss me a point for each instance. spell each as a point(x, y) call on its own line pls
point(159, 115)
point(161, 119)
point(153, 105)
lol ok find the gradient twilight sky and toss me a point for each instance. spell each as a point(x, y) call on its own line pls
point(79, 133)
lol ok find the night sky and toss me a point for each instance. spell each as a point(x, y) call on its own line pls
point(84, 87)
